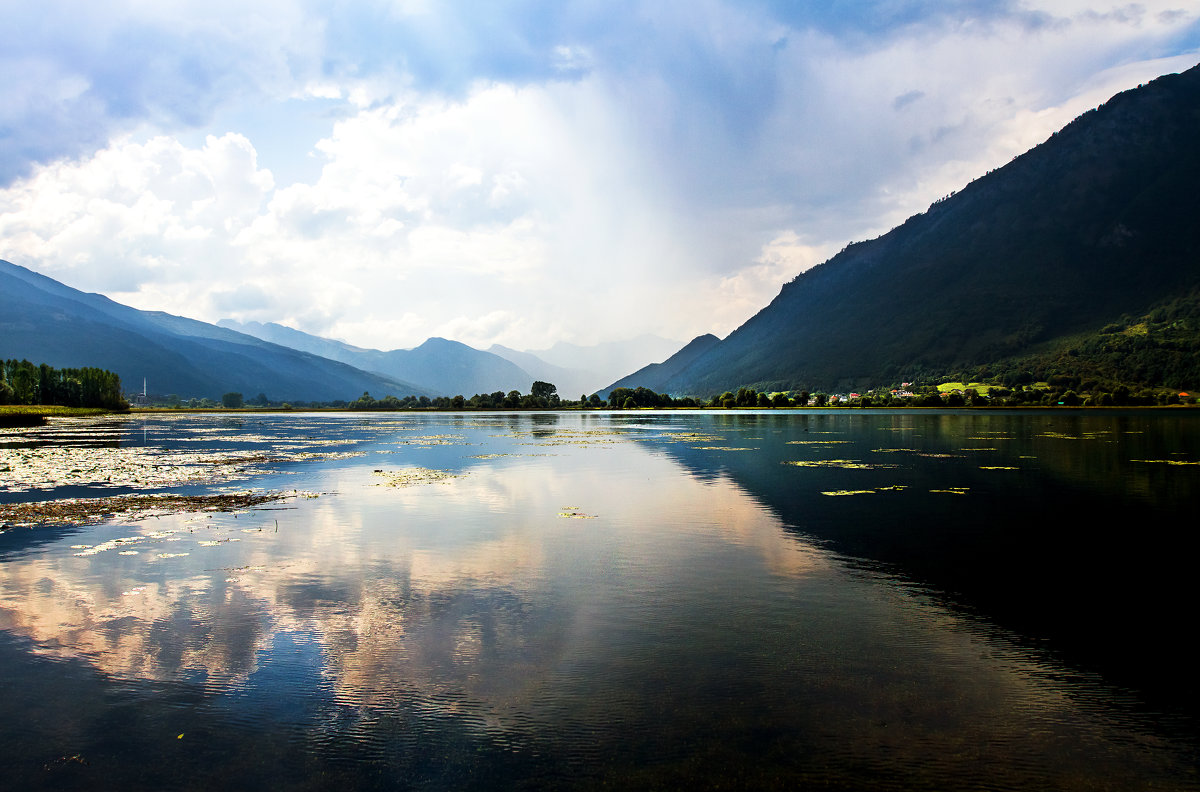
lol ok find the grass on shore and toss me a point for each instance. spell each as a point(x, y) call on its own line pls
point(36, 414)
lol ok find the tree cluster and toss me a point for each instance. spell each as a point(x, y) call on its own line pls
point(21, 382)
point(633, 398)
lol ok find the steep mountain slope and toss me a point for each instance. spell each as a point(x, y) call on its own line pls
point(45, 321)
point(656, 375)
point(446, 368)
point(1098, 221)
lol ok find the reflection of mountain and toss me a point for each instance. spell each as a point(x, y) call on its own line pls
point(1050, 555)
point(457, 632)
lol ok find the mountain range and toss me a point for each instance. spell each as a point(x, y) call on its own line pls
point(45, 321)
point(1079, 260)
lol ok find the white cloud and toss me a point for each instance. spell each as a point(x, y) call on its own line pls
point(577, 175)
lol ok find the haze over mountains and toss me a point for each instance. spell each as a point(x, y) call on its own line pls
point(1084, 249)
point(45, 321)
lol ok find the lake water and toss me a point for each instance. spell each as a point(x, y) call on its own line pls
point(845, 600)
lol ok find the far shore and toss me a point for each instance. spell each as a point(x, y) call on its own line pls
point(23, 415)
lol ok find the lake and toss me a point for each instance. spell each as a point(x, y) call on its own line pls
point(843, 599)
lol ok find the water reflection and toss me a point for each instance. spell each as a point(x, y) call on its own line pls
point(586, 599)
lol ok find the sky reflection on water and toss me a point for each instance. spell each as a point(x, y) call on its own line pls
point(570, 600)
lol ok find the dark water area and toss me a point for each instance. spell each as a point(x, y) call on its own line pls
point(843, 600)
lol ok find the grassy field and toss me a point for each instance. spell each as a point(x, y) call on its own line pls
point(35, 414)
point(949, 387)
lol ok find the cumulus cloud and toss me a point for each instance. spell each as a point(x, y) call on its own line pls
point(518, 173)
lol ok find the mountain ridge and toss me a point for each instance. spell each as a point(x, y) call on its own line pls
point(49, 322)
point(1095, 222)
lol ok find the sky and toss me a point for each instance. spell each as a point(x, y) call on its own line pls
point(519, 172)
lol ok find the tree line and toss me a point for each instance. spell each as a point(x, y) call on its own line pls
point(21, 382)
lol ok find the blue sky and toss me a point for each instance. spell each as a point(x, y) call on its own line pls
point(519, 172)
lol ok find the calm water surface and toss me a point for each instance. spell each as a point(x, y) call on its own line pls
point(852, 600)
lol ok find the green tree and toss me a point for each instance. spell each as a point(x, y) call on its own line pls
point(232, 400)
point(542, 391)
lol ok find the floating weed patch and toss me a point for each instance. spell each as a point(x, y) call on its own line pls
point(952, 490)
point(816, 442)
point(722, 448)
point(576, 515)
point(1164, 462)
point(844, 464)
point(893, 450)
point(939, 456)
point(978, 449)
point(428, 441)
point(691, 437)
point(892, 488)
point(849, 492)
point(414, 476)
point(999, 467)
point(85, 511)
point(139, 467)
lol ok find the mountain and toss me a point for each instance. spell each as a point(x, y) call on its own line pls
point(45, 321)
point(446, 368)
point(656, 375)
point(608, 361)
point(1095, 226)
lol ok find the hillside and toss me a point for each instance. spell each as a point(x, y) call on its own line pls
point(656, 375)
point(45, 321)
point(1096, 223)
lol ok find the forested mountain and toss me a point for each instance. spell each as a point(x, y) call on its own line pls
point(444, 367)
point(1097, 227)
point(44, 321)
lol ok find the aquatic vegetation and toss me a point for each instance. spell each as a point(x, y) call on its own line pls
point(952, 490)
point(845, 464)
point(1164, 462)
point(84, 511)
point(816, 442)
point(850, 492)
point(415, 476)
